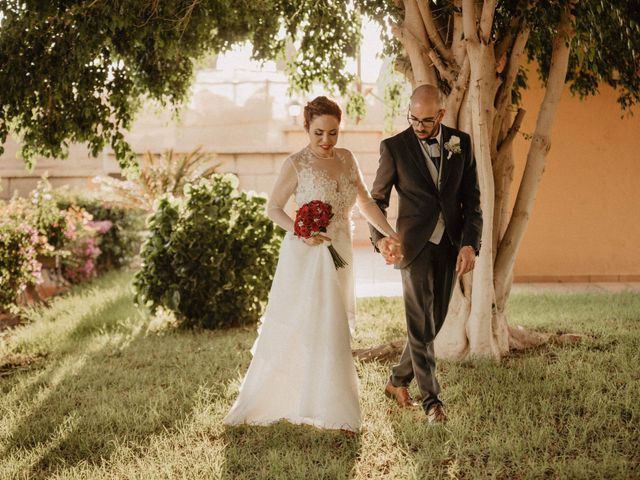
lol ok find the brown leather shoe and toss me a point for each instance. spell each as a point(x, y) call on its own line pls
point(401, 394)
point(436, 414)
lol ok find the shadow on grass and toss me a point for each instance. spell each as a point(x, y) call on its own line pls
point(109, 385)
point(286, 451)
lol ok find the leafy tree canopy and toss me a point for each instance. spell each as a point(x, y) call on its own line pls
point(77, 71)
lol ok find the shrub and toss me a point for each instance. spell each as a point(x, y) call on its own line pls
point(19, 246)
point(67, 229)
point(210, 256)
point(40, 211)
point(81, 242)
point(119, 228)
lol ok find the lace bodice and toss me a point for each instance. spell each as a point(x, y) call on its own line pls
point(337, 181)
point(332, 181)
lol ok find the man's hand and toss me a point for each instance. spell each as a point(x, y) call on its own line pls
point(466, 260)
point(390, 249)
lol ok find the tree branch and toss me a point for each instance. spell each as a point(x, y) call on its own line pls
point(486, 20)
point(538, 150)
point(432, 30)
point(503, 173)
point(504, 45)
point(469, 21)
point(501, 189)
point(410, 41)
point(423, 71)
point(513, 66)
point(507, 141)
point(413, 21)
point(458, 48)
point(445, 72)
point(454, 100)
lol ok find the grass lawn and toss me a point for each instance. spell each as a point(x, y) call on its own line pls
point(91, 390)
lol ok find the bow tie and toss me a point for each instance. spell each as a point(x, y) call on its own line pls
point(430, 141)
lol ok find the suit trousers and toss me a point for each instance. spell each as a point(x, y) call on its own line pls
point(427, 283)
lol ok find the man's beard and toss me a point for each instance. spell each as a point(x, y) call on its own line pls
point(431, 133)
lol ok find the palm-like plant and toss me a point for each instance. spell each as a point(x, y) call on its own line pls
point(167, 172)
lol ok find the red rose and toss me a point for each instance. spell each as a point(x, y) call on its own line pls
point(311, 218)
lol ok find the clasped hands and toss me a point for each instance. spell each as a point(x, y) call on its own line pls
point(391, 249)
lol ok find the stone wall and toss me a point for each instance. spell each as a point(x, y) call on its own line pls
point(257, 169)
point(75, 171)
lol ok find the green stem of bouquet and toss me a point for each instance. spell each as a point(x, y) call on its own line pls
point(338, 261)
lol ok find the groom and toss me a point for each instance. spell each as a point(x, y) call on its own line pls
point(440, 224)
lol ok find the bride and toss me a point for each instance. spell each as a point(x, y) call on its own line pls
point(302, 369)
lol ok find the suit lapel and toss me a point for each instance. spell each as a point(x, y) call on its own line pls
point(415, 152)
point(445, 155)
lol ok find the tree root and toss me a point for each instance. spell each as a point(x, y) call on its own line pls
point(8, 320)
point(16, 363)
point(520, 340)
point(386, 352)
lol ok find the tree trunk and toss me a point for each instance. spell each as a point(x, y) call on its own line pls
point(538, 150)
point(478, 102)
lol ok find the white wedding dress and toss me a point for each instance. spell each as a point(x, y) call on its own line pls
point(302, 369)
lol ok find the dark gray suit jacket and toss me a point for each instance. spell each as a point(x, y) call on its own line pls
point(402, 165)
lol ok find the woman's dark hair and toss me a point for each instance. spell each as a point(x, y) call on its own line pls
point(320, 106)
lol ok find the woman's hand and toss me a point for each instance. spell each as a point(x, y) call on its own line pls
point(391, 249)
point(316, 240)
point(395, 237)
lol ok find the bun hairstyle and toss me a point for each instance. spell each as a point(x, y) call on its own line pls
point(320, 106)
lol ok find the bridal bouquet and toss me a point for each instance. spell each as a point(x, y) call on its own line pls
point(313, 218)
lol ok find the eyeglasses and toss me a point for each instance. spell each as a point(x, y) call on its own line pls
point(425, 122)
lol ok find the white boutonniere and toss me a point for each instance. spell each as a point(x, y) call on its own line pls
point(453, 145)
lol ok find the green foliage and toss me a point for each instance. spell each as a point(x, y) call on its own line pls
point(355, 105)
point(394, 102)
point(86, 234)
point(519, 84)
point(210, 257)
point(40, 211)
point(382, 12)
point(608, 54)
point(605, 49)
point(326, 34)
point(82, 68)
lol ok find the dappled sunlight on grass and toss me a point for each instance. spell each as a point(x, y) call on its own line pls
point(288, 451)
point(380, 320)
point(111, 395)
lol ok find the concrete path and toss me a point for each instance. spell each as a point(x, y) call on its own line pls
point(373, 278)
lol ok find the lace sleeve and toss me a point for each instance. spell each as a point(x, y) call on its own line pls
point(283, 189)
point(368, 206)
